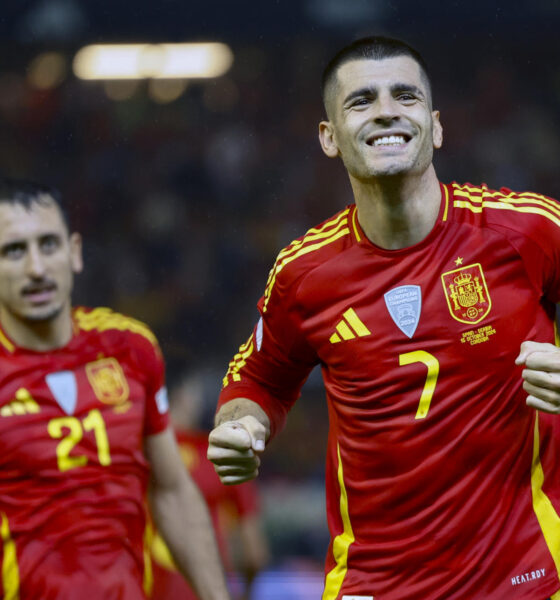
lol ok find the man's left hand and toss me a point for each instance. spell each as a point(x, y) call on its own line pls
point(541, 375)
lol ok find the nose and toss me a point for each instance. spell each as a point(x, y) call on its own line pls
point(386, 109)
point(35, 265)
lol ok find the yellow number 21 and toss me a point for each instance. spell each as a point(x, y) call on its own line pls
point(419, 356)
point(93, 422)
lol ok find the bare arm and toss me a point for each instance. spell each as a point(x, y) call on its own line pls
point(242, 429)
point(182, 518)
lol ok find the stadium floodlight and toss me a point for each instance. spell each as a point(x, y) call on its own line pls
point(153, 61)
point(194, 60)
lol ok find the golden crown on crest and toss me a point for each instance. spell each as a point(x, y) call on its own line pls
point(463, 279)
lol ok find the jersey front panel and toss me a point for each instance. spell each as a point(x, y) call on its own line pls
point(74, 476)
point(432, 470)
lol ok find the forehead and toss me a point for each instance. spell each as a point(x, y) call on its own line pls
point(364, 73)
point(18, 222)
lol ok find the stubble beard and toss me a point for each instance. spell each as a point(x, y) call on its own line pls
point(50, 314)
point(368, 172)
point(415, 165)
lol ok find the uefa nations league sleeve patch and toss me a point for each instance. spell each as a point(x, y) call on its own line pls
point(162, 402)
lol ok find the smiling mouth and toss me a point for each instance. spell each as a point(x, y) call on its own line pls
point(39, 294)
point(388, 140)
point(38, 289)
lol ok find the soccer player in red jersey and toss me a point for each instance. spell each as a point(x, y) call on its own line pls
point(83, 429)
point(430, 309)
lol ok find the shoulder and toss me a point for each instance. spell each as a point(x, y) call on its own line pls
point(316, 247)
point(114, 328)
point(526, 213)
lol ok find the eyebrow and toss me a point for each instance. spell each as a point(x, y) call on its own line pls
point(14, 244)
point(23, 241)
point(395, 88)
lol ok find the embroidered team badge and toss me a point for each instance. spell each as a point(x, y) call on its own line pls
point(467, 294)
point(404, 304)
point(108, 381)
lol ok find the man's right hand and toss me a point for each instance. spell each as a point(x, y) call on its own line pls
point(234, 448)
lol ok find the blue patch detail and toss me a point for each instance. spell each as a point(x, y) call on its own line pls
point(64, 388)
point(404, 304)
point(162, 402)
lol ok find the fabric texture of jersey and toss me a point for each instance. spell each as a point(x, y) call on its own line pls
point(74, 476)
point(227, 505)
point(441, 483)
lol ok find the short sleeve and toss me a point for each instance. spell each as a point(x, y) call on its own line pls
point(272, 366)
point(150, 362)
point(536, 218)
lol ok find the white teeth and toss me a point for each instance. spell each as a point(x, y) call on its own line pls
point(389, 140)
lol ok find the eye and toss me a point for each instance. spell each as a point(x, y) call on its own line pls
point(49, 243)
point(360, 103)
point(13, 251)
point(406, 97)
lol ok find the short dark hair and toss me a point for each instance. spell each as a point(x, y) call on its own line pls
point(26, 193)
point(374, 48)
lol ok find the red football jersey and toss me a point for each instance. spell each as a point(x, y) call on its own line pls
point(73, 473)
point(441, 483)
point(226, 503)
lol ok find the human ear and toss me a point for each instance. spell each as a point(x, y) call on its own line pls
point(437, 130)
point(76, 259)
point(327, 139)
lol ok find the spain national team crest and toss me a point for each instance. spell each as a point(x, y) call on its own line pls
point(404, 304)
point(467, 294)
point(108, 381)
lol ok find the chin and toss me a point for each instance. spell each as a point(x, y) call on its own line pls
point(393, 169)
point(389, 171)
point(43, 315)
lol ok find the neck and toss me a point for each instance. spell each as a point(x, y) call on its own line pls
point(40, 336)
point(398, 212)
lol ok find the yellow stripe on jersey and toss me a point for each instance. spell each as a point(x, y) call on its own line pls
point(476, 193)
point(6, 342)
point(446, 199)
point(239, 361)
point(355, 224)
point(546, 514)
point(104, 319)
point(148, 579)
point(316, 233)
point(538, 205)
point(326, 234)
point(503, 206)
point(512, 198)
point(555, 596)
point(10, 568)
point(341, 543)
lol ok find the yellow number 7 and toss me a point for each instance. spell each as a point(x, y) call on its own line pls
point(419, 356)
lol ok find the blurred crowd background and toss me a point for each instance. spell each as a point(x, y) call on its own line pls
point(185, 191)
